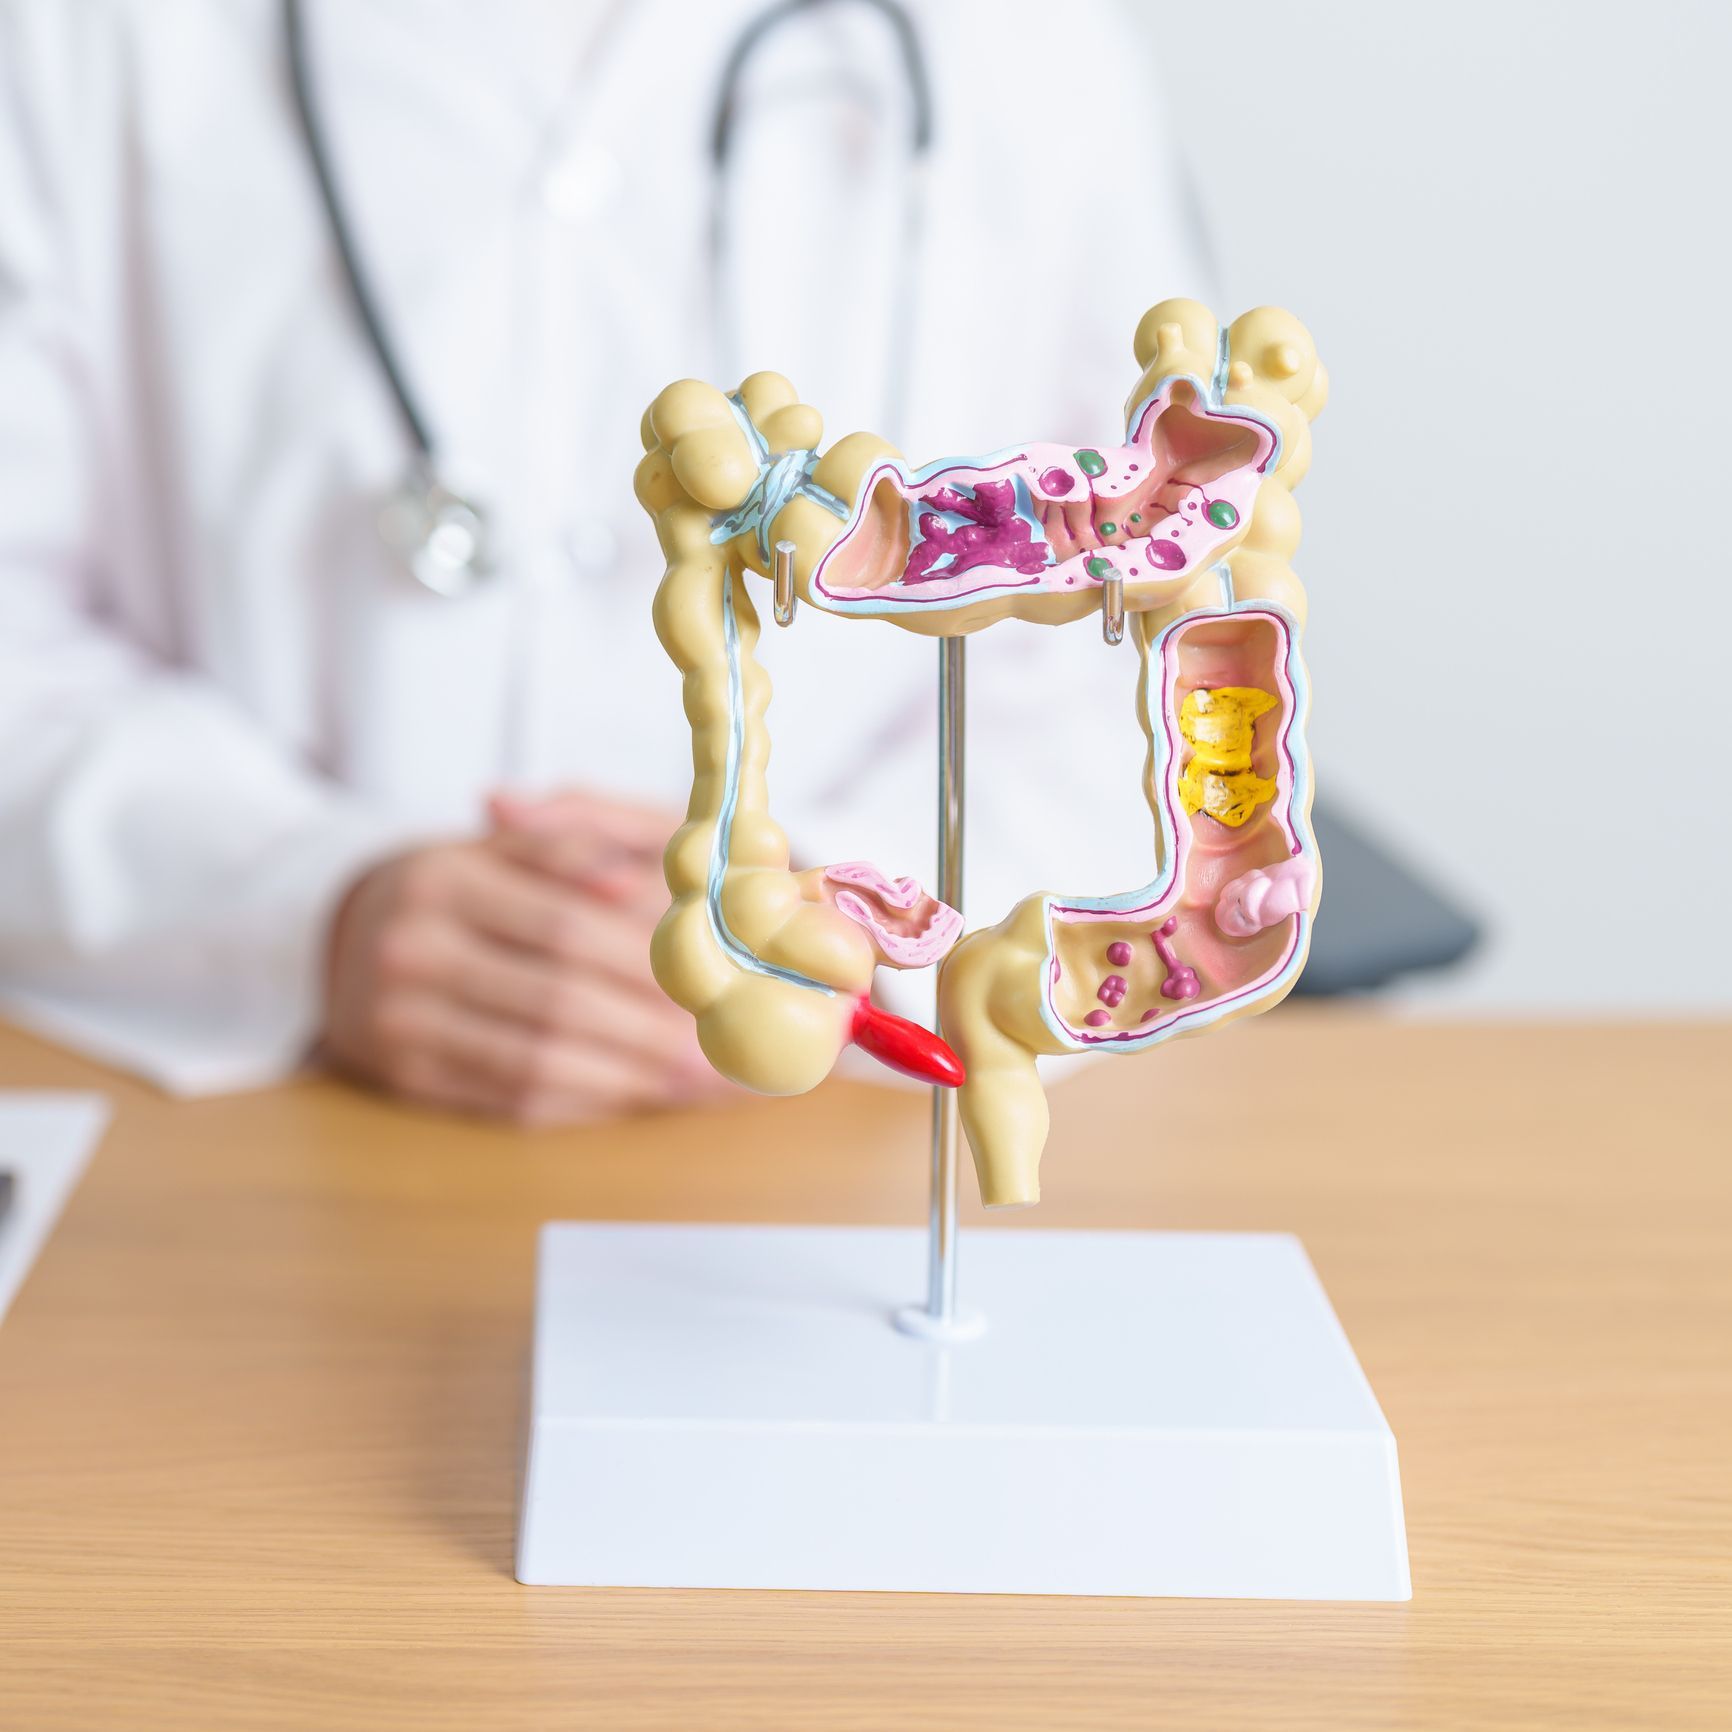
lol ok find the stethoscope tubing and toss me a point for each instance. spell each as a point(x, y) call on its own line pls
point(724, 126)
point(431, 502)
point(902, 26)
point(415, 422)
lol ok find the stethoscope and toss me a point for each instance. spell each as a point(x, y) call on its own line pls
point(444, 536)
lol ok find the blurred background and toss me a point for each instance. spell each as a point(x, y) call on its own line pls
point(325, 335)
point(1503, 223)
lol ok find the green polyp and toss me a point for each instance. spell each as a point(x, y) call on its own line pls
point(1109, 529)
point(1091, 463)
point(1222, 514)
point(1099, 567)
point(1136, 517)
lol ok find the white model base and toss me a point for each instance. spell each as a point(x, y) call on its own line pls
point(1144, 1413)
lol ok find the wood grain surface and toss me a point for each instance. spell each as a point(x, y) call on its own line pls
point(260, 1403)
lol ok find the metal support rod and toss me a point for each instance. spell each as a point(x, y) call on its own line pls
point(946, 1122)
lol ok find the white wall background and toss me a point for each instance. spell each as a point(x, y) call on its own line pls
point(1507, 226)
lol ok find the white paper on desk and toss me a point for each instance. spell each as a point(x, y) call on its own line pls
point(45, 1140)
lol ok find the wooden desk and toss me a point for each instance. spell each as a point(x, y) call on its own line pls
point(259, 1404)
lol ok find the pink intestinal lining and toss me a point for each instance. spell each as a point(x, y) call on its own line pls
point(910, 928)
point(1163, 913)
point(1123, 509)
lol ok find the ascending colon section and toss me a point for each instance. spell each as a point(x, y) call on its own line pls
point(775, 966)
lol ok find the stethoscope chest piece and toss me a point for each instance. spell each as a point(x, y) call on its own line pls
point(442, 536)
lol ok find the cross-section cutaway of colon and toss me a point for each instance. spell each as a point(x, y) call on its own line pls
point(1193, 516)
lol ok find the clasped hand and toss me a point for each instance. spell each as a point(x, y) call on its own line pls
point(509, 975)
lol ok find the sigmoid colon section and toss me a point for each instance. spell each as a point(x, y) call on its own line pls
point(1055, 519)
point(1219, 931)
point(908, 927)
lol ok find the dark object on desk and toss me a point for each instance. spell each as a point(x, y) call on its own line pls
point(8, 1186)
point(1377, 921)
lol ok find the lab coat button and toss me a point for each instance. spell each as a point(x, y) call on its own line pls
point(581, 185)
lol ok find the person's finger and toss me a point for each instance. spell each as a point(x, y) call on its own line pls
point(429, 1079)
point(536, 1069)
point(433, 1081)
point(556, 999)
point(500, 898)
point(508, 902)
point(590, 859)
point(627, 823)
point(425, 1067)
point(648, 897)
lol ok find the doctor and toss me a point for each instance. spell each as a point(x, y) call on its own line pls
point(261, 790)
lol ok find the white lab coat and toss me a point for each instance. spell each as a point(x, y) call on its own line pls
point(220, 695)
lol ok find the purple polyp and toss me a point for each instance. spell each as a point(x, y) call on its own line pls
point(1057, 481)
point(992, 535)
point(1097, 1019)
point(1181, 981)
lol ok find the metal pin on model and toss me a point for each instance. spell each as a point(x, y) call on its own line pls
point(1113, 607)
point(785, 600)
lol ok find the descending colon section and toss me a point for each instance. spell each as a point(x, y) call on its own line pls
point(1124, 965)
point(1218, 932)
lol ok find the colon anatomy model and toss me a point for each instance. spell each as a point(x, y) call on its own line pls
point(1191, 521)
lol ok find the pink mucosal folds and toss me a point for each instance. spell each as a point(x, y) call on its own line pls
point(1040, 526)
point(909, 928)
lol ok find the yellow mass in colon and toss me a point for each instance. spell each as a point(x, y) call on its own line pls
point(1220, 728)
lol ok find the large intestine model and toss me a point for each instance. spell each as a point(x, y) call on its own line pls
point(1192, 522)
